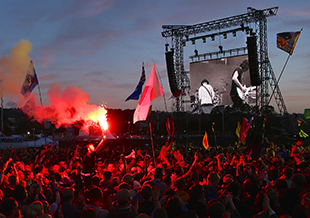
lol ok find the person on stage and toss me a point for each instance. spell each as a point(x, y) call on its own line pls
point(237, 88)
point(205, 96)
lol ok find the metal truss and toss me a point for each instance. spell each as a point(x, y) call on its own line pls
point(181, 33)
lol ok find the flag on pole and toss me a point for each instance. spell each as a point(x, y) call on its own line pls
point(307, 113)
point(205, 141)
point(2, 134)
point(31, 81)
point(287, 41)
point(238, 129)
point(302, 134)
point(213, 124)
point(152, 90)
point(245, 127)
point(136, 94)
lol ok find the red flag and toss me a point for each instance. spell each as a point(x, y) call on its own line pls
point(152, 90)
point(170, 126)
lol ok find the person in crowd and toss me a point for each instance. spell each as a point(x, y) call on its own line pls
point(9, 208)
point(95, 199)
point(68, 209)
point(124, 208)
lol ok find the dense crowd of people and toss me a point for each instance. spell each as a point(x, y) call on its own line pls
point(173, 181)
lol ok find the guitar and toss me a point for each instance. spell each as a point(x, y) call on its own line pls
point(250, 92)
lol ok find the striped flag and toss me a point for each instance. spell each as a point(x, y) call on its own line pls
point(136, 94)
point(31, 81)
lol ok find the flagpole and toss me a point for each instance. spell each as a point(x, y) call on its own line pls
point(44, 129)
point(164, 92)
point(152, 144)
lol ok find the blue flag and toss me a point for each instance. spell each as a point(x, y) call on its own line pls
point(31, 81)
point(136, 94)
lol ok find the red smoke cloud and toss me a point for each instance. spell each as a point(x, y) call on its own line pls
point(67, 105)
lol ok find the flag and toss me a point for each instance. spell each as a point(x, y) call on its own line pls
point(302, 134)
point(136, 94)
point(2, 134)
point(238, 129)
point(307, 113)
point(213, 124)
point(152, 90)
point(205, 141)
point(246, 125)
point(170, 126)
point(287, 41)
point(31, 81)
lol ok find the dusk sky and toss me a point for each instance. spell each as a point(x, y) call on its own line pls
point(99, 46)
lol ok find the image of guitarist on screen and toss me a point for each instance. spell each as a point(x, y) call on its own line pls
point(240, 92)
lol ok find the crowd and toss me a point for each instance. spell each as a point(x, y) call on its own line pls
point(173, 181)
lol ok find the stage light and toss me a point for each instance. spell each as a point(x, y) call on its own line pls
point(196, 52)
point(183, 43)
point(212, 38)
point(204, 40)
point(167, 46)
point(247, 32)
point(225, 35)
point(193, 42)
point(234, 34)
point(242, 27)
point(221, 48)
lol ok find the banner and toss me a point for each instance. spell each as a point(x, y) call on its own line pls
point(31, 81)
point(152, 90)
point(286, 41)
point(136, 94)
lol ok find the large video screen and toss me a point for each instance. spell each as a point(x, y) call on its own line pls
point(219, 73)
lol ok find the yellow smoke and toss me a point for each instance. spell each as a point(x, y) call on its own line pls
point(13, 69)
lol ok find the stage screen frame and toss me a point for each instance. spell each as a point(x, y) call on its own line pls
point(219, 74)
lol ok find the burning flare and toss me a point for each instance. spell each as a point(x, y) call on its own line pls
point(99, 116)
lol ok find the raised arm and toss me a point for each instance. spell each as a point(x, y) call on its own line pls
point(4, 169)
point(100, 145)
point(192, 166)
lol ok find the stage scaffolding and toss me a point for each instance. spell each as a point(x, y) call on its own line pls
point(180, 34)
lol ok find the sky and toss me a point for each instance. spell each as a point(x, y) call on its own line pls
point(99, 46)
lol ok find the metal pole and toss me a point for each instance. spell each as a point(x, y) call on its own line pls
point(2, 126)
point(151, 135)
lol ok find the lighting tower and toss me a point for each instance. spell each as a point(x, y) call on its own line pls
point(181, 33)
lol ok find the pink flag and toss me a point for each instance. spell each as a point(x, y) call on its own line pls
point(152, 90)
